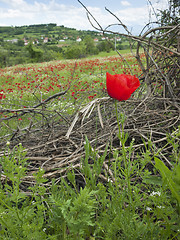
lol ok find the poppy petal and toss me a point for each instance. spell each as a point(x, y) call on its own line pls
point(121, 86)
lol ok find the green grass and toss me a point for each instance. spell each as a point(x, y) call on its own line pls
point(112, 53)
point(147, 208)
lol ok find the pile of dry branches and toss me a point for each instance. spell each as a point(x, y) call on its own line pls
point(57, 146)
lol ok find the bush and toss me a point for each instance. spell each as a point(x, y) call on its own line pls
point(105, 46)
point(75, 51)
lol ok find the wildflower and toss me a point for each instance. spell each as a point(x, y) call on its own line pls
point(121, 86)
point(8, 143)
point(2, 96)
point(148, 209)
point(160, 207)
point(155, 193)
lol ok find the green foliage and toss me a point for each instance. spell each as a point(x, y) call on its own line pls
point(90, 48)
point(82, 49)
point(74, 213)
point(17, 52)
point(170, 178)
point(130, 205)
point(92, 173)
point(4, 57)
point(35, 53)
point(75, 51)
point(22, 217)
point(170, 16)
point(106, 46)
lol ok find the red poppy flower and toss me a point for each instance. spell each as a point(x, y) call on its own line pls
point(121, 86)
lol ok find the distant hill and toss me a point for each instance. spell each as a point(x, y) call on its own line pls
point(51, 30)
point(46, 42)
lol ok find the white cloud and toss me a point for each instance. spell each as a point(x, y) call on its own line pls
point(125, 3)
point(133, 16)
point(21, 12)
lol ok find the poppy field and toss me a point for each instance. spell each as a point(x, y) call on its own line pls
point(82, 77)
point(81, 80)
point(108, 177)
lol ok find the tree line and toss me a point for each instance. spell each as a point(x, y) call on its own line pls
point(16, 53)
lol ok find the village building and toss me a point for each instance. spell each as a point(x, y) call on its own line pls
point(45, 40)
point(78, 39)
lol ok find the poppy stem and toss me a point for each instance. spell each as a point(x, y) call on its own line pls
point(116, 108)
point(122, 138)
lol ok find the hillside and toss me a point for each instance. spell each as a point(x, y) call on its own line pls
point(42, 31)
point(46, 42)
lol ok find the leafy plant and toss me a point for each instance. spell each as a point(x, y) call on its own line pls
point(170, 178)
point(21, 217)
point(131, 205)
point(72, 212)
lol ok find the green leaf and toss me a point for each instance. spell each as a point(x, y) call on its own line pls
point(176, 175)
point(167, 177)
point(153, 180)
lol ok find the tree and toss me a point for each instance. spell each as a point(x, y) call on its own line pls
point(35, 53)
point(20, 42)
point(89, 45)
point(75, 51)
point(105, 46)
point(170, 16)
point(4, 57)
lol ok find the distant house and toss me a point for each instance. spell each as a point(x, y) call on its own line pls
point(78, 39)
point(45, 40)
point(65, 37)
point(103, 38)
point(96, 40)
point(15, 40)
point(26, 42)
point(61, 40)
point(36, 41)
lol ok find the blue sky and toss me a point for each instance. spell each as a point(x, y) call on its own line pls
point(134, 14)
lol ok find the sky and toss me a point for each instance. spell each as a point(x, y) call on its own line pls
point(135, 14)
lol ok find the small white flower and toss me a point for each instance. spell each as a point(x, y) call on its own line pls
point(109, 180)
point(148, 209)
point(160, 207)
point(155, 193)
point(8, 143)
